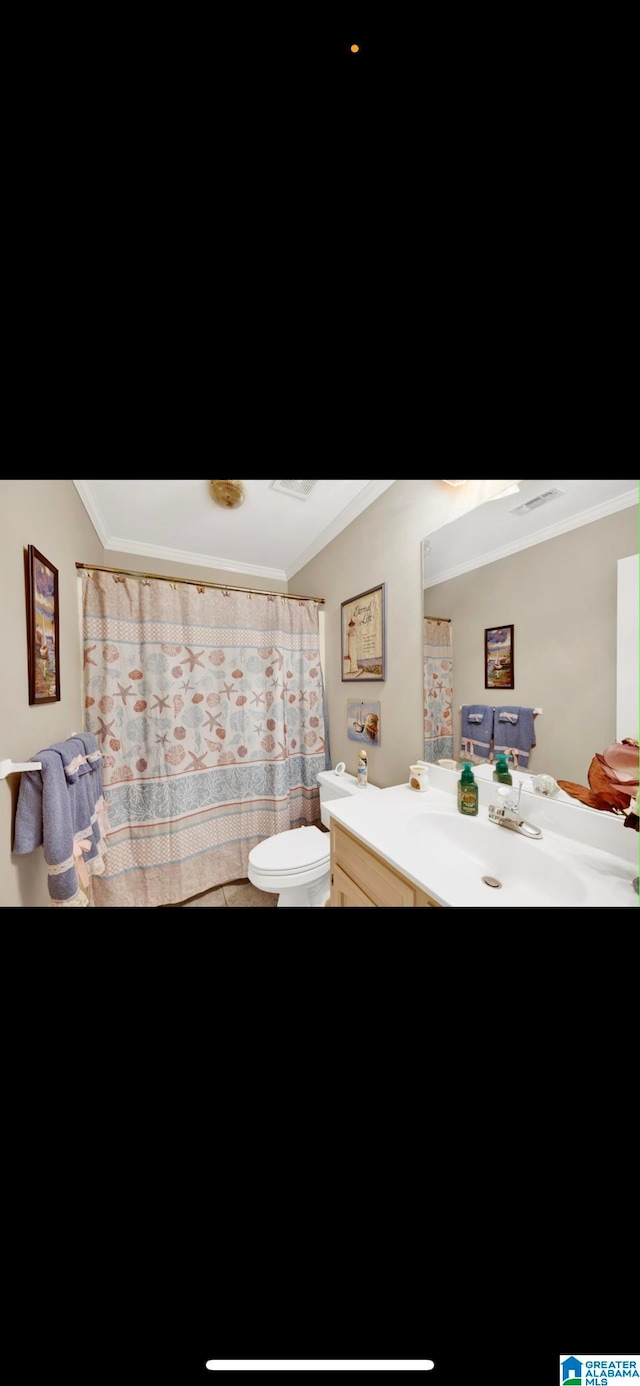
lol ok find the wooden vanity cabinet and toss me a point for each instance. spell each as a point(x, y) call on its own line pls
point(360, 877)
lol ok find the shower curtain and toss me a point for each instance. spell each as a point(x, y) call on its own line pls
point(438, 690)
point(208, 706)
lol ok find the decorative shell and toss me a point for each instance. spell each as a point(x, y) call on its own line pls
point(176, 755)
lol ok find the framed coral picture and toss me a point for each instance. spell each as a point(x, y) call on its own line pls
point(498, 657)
point(363, 622)
point(43, 628)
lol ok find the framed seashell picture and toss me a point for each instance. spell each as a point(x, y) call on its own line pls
point(363, 722)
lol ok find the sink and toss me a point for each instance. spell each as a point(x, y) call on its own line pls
point(528, 868)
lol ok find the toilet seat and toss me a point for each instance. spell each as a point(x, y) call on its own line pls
point(297, 857)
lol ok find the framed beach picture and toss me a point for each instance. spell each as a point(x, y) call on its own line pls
point(363, 633)
point(43, 634)
point(363, 722)
point(498, 657)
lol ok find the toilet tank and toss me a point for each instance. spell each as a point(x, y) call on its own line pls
point(334, 786)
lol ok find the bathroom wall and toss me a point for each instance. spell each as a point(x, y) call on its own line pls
point(50, 515)
point(383, 545)
point(561, 597)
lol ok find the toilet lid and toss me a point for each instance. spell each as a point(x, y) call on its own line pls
point(292, 850)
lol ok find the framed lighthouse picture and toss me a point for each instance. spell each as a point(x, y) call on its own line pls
point(363, 630)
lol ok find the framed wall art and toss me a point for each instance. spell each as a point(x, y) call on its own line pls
point(43, 628)
point(498, 657)
point(363, 632)
point(363, 722)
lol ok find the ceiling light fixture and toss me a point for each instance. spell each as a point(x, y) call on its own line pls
point(229, 494)
point(454, 483)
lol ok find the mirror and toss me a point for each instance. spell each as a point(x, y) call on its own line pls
point(539, 569)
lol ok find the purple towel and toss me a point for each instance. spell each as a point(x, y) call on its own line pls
point(54, 810)
point(82, 794)
point(94, 788)
point(93, 761)
point(514, 734)
point(477, 730)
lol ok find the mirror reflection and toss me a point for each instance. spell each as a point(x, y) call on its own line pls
point(530, 620)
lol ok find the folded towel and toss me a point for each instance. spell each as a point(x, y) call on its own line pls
point(477, 730)
point(72, 755)
point(95, 793)
point(514, 734)
point(93, 754)
point(57, 810)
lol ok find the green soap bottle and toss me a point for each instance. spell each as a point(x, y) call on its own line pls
point(501, 772)
point(467, 793)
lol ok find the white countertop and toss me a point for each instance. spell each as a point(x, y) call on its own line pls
point(446, 854)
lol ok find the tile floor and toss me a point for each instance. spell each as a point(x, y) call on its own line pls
point(238, 893)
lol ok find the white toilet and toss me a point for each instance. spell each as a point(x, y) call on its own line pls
point(295, 865)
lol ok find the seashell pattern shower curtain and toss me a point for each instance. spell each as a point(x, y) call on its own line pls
point(208, 706)
point(438, 690)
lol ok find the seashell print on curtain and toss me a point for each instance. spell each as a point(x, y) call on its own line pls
point(208, 706)
point(438, 690)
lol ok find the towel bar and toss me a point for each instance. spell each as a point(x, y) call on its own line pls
point(537, 711)
point(8, 767)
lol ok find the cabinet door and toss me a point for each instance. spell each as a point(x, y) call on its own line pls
point(382, 885)
point(345, 892)
point(373, 878)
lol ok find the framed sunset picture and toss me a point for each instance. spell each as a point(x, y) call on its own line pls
point(498, 657)
point(43, 633)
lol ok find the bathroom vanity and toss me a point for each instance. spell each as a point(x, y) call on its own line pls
point(402, 847)
point(360, 877)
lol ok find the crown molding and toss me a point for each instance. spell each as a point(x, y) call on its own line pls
point(196, 560)
point(361, 502)
point(584, 517)
point(92, 507)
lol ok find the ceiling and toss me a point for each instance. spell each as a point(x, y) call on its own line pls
point(271, 535)
point(492, 531)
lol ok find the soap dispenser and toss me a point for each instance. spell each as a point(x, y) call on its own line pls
point(501, 773)
point(467, 792)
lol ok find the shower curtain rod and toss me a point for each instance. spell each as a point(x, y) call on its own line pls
point(196, 582)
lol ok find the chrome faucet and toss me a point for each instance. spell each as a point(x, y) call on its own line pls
point(508, 814)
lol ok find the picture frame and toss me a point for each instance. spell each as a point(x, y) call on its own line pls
point(43, 628)
point(363, 721)
point(363, 648)
point(499, 665)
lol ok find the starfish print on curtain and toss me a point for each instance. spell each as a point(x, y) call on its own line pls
point(210, 753)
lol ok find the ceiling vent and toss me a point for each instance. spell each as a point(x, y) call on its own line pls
point(301, 489)
point(536, 501)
